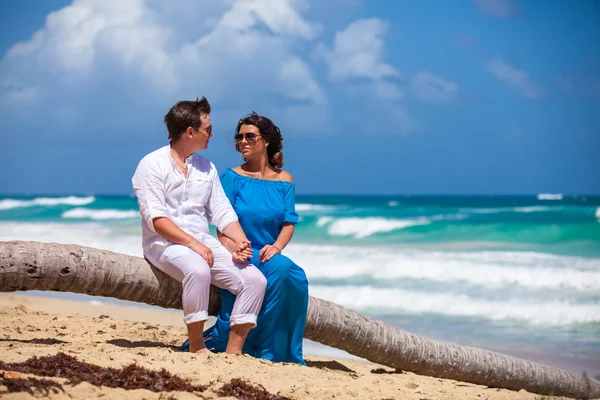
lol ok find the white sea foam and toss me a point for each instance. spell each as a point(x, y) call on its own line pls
point(8, 204)
point(120, 240)
point(550, 196)
point(322, 221)
point(483, 268)
point(598, 213)
point(383, 301)
point(393, 203)
point(363, 227)
point(97, 215)
point(528, 209)
point(302, 207)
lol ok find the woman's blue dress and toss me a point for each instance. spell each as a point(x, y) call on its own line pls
point(262, 207)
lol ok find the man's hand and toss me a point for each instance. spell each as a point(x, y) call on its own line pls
point(205, 252)
point(242, 252)
point(267, 252)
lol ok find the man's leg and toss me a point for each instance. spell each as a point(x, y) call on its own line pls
point(195, 331)
point(248, 284)
point(189, 268)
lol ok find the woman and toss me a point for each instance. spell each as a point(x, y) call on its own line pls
point(262, 195)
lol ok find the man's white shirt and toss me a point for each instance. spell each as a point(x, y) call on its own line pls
point(191, 203)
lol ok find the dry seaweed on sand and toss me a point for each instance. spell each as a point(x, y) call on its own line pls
point(241, 389)
point(32, 386)
point(129, 377)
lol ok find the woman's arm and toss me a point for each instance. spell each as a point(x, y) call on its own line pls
point(235, 241)
point(285, 236)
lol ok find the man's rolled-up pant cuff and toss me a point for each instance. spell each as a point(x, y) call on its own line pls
point(243, 319)
point(196, 317)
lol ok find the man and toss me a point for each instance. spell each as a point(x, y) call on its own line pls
point(177, 191)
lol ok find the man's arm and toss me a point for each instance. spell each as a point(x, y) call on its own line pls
point(149, 188)
point(235, 232)
point(240, 248)
point(219, 211)
point(170, 231)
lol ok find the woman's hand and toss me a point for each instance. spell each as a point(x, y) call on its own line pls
point(267, 252)
point(242, 252)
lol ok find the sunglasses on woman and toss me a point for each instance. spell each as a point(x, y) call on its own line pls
point(251, 137)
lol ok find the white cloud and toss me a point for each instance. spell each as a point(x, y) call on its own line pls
point(517, 79)
point(356, 62)
point(358, 52)
point(498, 8)
point(227, 49)
point(433, 89)
point(279, 16)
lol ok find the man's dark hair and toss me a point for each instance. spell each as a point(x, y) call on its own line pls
point(184, 114)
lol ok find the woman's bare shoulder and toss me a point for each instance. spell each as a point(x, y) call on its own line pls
point(284, 176)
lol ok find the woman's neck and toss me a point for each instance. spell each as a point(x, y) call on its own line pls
point(257, 167)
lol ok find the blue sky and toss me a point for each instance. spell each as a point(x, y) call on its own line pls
point(377, 97)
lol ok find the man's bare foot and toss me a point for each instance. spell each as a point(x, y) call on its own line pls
point(203, 351)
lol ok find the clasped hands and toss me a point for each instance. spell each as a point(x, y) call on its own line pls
point(243, 252)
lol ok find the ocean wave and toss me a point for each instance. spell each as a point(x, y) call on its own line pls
point(7, 204)
point(98, 215)
point(382, 301)
point(598, 213)
point(322, 221)
point(363, 227)
point(90, 234)
point(550, 196)
point(566, 233)
point(498, 210)
point(305, 207)
point(484, 268)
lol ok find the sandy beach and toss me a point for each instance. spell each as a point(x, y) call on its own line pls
point(115, 336)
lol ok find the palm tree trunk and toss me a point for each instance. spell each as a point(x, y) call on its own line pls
point(78, 269)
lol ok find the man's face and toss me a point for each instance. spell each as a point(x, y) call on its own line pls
point(202, 135)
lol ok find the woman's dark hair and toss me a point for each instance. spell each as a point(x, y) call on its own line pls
point(184, 114)
point(269, 132)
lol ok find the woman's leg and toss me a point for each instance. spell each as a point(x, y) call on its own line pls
point(280, 330)
point(294, 313)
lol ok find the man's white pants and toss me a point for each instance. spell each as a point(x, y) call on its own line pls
point(188, 267)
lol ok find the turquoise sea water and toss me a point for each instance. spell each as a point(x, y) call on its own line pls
point(507, 273)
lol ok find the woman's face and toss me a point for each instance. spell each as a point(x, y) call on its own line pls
point(249, 141)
